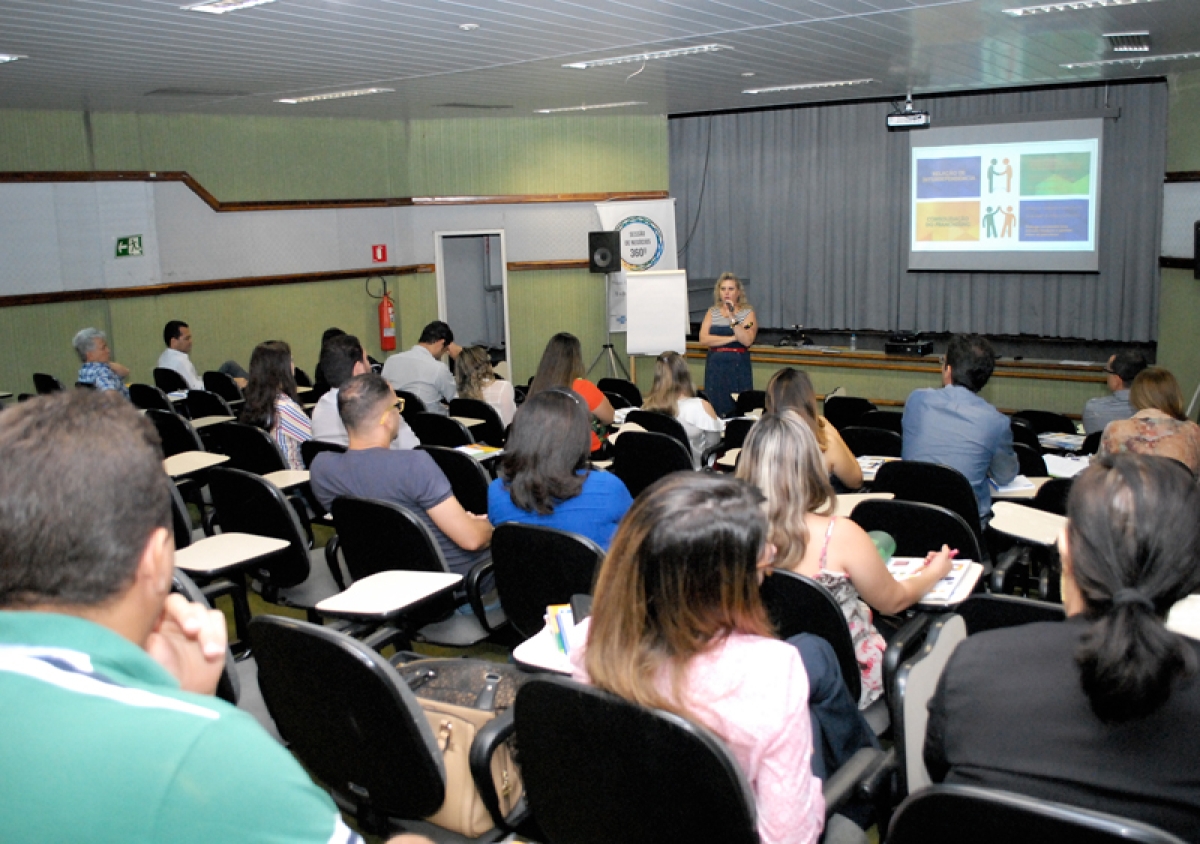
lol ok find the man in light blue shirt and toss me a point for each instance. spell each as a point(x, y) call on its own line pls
point(420, 370)
point(955, 427)
point(1121, 369)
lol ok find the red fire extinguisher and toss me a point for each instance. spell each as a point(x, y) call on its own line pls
point(387, 323)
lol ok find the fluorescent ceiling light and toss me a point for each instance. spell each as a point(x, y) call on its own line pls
point(646, 57)
point(1070, 6)
point(1172, 57)
point(805, 86)
point(220, 7)
point(584, 107)
point(336, 95)
point(7, 57)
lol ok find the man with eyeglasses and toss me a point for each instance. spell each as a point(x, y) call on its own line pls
point(1121, 369)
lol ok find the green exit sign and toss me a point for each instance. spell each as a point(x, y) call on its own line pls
point(128, 247)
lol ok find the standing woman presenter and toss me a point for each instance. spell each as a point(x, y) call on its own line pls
point(728, 330)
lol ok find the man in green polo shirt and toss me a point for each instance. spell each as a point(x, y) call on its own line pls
point(109, 729)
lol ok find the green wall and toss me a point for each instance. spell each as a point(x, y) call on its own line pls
point(303, 158)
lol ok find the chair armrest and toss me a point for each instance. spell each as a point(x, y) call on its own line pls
point(866, 765)
point(487, 742)
point(331, 560)
point(473, 585)
point(1002, 577)
point(389, 635)
point(906, 641)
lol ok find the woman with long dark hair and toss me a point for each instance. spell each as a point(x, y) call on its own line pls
point(544, 477)
point(1101, 710)
point(792, 389)
point(271, 402)
point(562, 366)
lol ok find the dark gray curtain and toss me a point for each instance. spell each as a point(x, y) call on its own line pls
point(811, 206)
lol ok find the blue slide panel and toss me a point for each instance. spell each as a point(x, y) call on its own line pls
point(1054, 220)
point(948, 178)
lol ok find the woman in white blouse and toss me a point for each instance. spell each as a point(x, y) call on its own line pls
point(474, 378)
point(673, 395)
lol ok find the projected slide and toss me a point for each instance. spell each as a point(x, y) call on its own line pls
point(998, 206)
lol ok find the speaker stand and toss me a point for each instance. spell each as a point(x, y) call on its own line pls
point(606, 351)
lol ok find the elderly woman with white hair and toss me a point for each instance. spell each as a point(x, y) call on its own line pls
point(99, 369)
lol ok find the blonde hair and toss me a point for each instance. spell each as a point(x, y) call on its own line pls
point(741, 302)
point(791, 389)
point(672, 381)
point(472, 372)
point(1155, 387)
point(781, 458)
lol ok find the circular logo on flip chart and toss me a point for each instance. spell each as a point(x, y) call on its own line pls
point(641, 243)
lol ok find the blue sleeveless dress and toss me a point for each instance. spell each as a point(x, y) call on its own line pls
point(727, 367)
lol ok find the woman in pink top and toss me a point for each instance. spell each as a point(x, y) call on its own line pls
point(677, 624)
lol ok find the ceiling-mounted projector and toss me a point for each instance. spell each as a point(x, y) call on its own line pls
point(908, 119)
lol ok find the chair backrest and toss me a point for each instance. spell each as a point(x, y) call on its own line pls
point(309, 449)
point(625, 389)
point(1052, 495)
point(642, 457)
point(168, 380)
point(876, 442)
point(931, 483)
point(749, 400)
point(467, 477)
point(491, 431)
point(798, 604)
point(181, 519)
point(201, 403)
point(1023, 432)
point(46, 384)
point(950, 814)
point(1032, 464)
point(617, 401)
point(85, 385)
point(736, 431)
point(842, 411)
point(984, 612)
point(229, 687)
point(1091, 443)
point(918, 528)
point(376, 536)
point(246, 503)
point(1045, 422)
point(435, 429)
point(888, 420)
point(538, 566)
point(412, 405)
point(249, 448)
point(598, 769)
point(914, 684)
point(146, 397)
point(302, 378)
point(660, 423)
point(350, 719)
point(223, 385)
point(175, 432)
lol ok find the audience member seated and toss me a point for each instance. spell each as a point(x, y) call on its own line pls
point(674, 395)
point(99, 369)
point(1121, 369)
point(372, 469)
point(113, 733)
point(677, 624)
point(781, 457)
point(791, 389)
point(544, 477)
point(320, 381)
point(420, 370)
point(271, 401)
point(342, 357)
point(1100, 710)
point(474, 379)
point(1159, 426)
point(562, 366)
point(956, 427)
point(177, 336)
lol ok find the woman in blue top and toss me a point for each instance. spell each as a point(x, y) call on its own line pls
point(544, 477)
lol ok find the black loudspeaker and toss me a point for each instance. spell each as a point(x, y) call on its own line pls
point(604, 252)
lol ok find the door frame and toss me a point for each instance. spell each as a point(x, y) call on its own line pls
point(439, 263)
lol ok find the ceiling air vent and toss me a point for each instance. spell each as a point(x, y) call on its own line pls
point(1128, 42)
point(193, 92)
point(477, 106)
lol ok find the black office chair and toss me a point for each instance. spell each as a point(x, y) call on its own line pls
point(749, 400)
point(917, 527)
point(736, 431)
point(168, 380)
point(412, 405)
point(467, 477)
point(1052, 495)
point(229, 687)
point(931, 483)
point(984, 612)
point(376, 536)
point(536, 567)
point(843, 411)
point(1030, 460)
point(875, 442)
point(351, 719)
point(887, 420)
point(248, 448)
point(44, 384)
point(491, 432)
point(302, 378)
point(435, 429)
point(951, 814)
point(145, 397)
point(625, 389)
point(1023, 432)
point(1045, 422)
point(1091, 443)
point(175, 432)
point(311, 448)
point(641, 458)
point(201, 403)
point(224, 386)
point(617, 401)
point(659, 423)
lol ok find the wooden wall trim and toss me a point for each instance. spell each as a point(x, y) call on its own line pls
point(212, 284)
point(1176, 263)
point(1183, 176)
point(536, 266)
point(33, 177)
